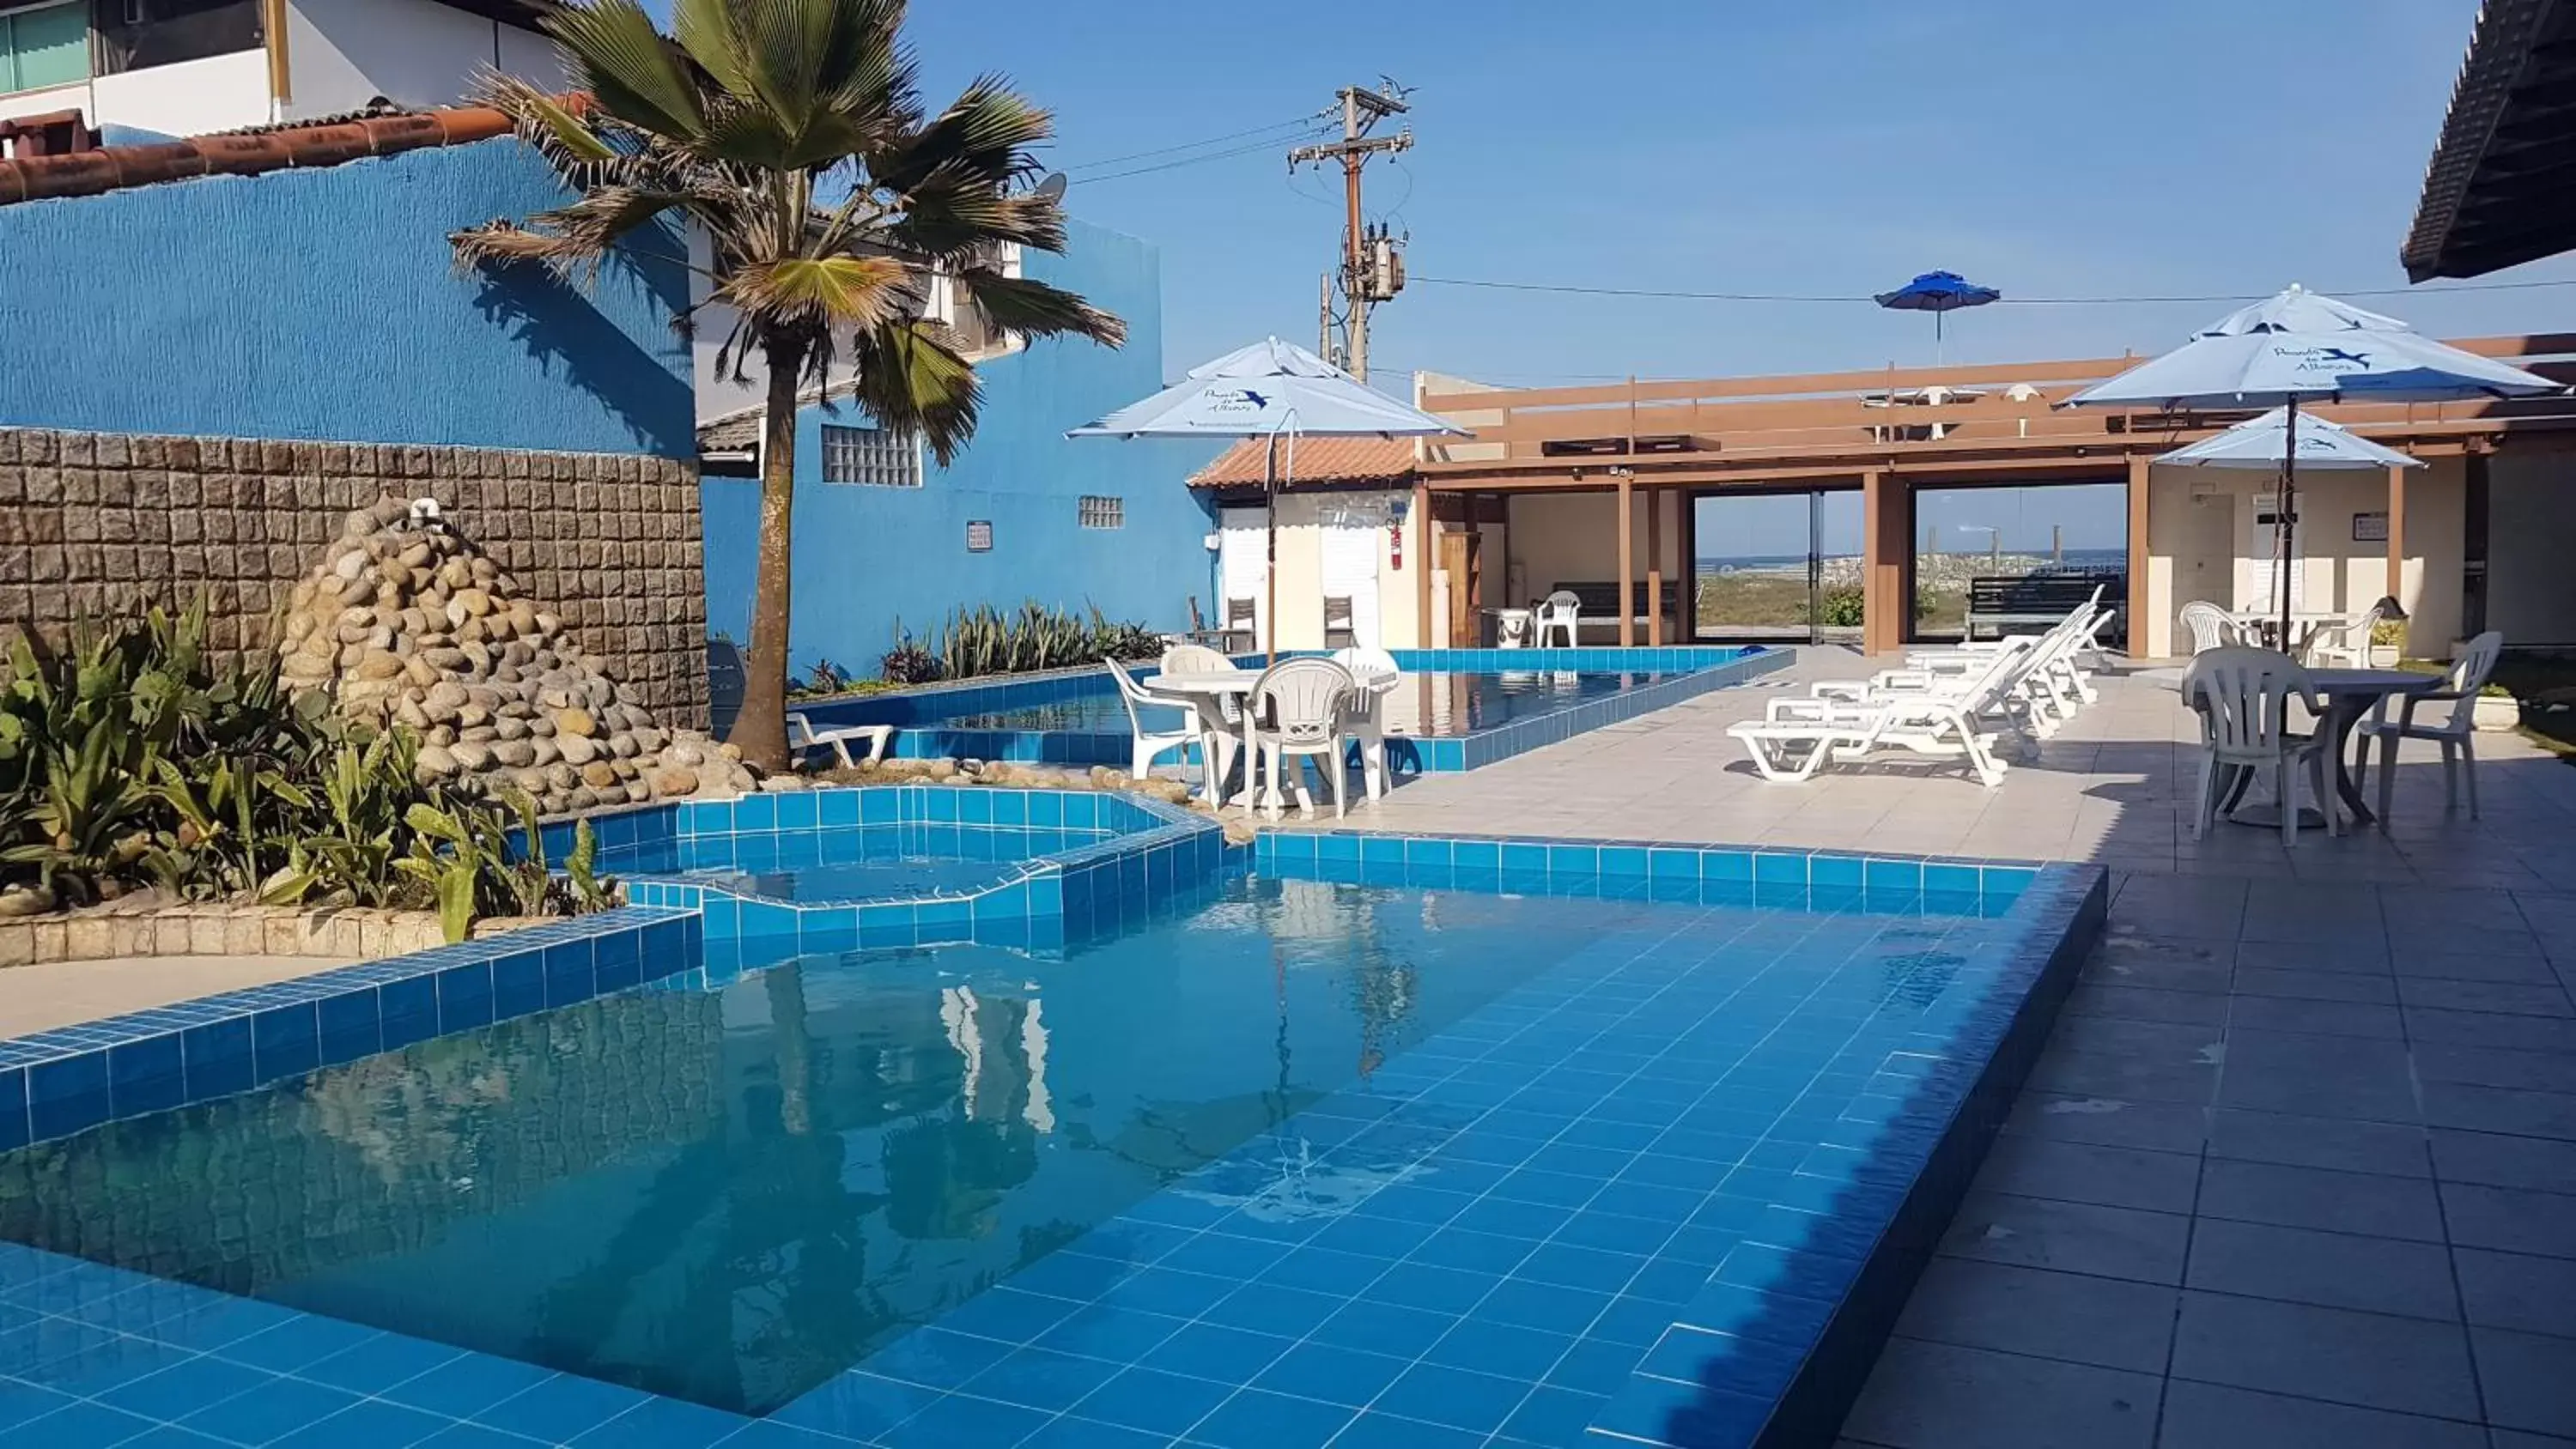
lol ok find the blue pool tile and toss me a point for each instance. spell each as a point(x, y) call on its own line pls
point(1547, 1306)
point(465, 997)
point(1500, 1348)
point(856, 1405)
point(1072, 1433)
point(67, 1095)
point(1213, 1351)
point(1380, 1327)
point(560, 1408)
point(1658, 1411)
point(269, 1411)
point(367, 1422)
point(1039, 1378)
point(76, 1423)
point(465, 1385)
point(171, 1436)
point(1254, 1419)
point(1332, 1374)
point(1459, 1398)
point(1153, 1401)
point(1165, 1290)
point(1439, 1290)
point(1275, 1309)
point(185, 1387)
point(663, 1423)
point(935, 1358)
point(1552, 1415)
point(1007, 1314)
point(1773, 867)
point(1124, 1335)
point(146, 1075)
point(378, 1364)
point(349, 1027)
point(518, 985)
point(959, 1420)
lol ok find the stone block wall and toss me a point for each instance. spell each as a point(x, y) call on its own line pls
point(610, 542)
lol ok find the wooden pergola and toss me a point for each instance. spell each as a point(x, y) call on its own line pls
point(1889, 432)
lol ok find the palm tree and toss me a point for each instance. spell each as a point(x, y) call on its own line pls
point(791, 135)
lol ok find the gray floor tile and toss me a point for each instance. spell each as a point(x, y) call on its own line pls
point(2498, 997)
point(2111, 1121)
point(2530, 1381)
point(1941, 1396)
point(2501, 1109)
point(2212, 1416)
point(2161, 965)
point(2332, 1270)
point(2107, 1322)
point(2490, 1066)
point(2311, 1197)
point(2510, 1220)
point(2350, 957)
point(2482, 966)
point(2139, 1003)
point(2487, 1028)
point(2086, 1172)
point(2100, 1074)
point(2518, 1291)
point(2317, 1018)
point(2498, 1160)
point(2318, 1076)
point(2316, 985)
point(2380, 1147)
point(2111, 1242)
point(2517, 1439)
point(2183, 1044)
point(2369, 1359)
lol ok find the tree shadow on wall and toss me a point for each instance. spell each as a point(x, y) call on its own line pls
point(560, 326)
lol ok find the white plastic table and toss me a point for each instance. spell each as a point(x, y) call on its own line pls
point(2350, 694)
point(1215, 685)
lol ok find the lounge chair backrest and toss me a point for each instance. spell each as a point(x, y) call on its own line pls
point(2469, 674)
point(1301, 699)
point(2243, 696)
point(1195, 659)
point(800, 732)
point(1360, 659)
point(2209, 625)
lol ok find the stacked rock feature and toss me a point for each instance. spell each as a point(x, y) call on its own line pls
point(405, 620)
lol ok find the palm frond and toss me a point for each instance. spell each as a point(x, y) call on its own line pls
point(823, 292)
point(910, 378)
point(621, 59)
point(1036, 309)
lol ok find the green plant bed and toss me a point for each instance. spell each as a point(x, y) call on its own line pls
point(131, 756)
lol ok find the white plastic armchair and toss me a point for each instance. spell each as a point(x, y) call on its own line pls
point(1195, 659)
point(2346, 645)
point(2243, 698)
point(1368, 710)
point(1560, 610)
point(1300, 710)
point(2455, 734)
point(1154, 742)
point(2211, 626)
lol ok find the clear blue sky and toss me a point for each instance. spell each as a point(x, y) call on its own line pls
point(2051, 150)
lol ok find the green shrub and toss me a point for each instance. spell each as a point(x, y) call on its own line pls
point(1840, 609)
point(980, 639)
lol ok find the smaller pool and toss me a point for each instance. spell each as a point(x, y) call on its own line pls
point(1434, 704)
point(863, 862)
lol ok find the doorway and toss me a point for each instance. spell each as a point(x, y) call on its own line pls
point(1777, 567)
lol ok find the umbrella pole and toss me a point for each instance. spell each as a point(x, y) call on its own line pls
point(2284, 510)
point(1270, 574)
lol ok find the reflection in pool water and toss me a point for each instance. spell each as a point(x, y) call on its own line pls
point(1427, 705)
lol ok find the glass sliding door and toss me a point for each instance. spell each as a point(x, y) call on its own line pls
point(1777, 566)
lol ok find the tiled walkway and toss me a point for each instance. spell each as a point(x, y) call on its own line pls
point(2299, 1165)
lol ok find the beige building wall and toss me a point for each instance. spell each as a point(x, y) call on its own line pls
point(1302, 520)
point(1574, 538)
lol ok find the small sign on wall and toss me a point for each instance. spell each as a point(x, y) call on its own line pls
point(2370, 528)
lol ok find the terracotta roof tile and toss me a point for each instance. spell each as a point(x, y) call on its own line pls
point(1319, 460)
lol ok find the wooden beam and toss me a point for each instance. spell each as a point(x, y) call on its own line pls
point(1883, 545)
point(1655, 567)
point(1627, 562)
point(2397, 537)
point(2141, 630)
point(1422, 569)
point(1690, 565)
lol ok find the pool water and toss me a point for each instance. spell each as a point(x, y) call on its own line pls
point(731, 1195)
point(854, 862)
point(1433, 705)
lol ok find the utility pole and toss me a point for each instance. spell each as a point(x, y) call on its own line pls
point(1372, 261)
point(1324, 318)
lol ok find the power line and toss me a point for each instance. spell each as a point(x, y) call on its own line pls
point(1306, 122)
point(1227, 154)
point(1579, 289)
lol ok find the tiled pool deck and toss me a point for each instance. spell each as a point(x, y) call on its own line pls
point(2298, 1165)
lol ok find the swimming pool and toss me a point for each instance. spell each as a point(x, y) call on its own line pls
point(1458, 709)
point(883, 861)
point(1410, 1139)
point(1434, 704)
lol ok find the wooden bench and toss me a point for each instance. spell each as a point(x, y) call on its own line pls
point(2003, 604)
point(1599, 601)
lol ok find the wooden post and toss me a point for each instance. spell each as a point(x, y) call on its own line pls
point(1689, 521)
point(1627, 559)
point(1655, 567)
point(1422, 568)
point(2397, 536)
point(2142, 643)
point(1884, 539)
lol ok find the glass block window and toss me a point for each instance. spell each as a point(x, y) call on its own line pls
point(1101, 511)
point(44, 47)
point(871, 456)
point(979, 535)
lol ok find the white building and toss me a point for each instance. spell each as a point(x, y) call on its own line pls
point(189, 67)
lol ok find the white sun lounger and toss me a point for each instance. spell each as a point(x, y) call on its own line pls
point(802, 736)
point(1800, 736)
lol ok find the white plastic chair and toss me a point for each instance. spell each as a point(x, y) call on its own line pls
point(1368, 712)
point(1220, 716)
point(1195, 659)
point(2243, 699)
point(1300, 708)
point(1560, 610)
point(2460, 688)
point(802, 736)
point(2211, 626)
point(2346, 645)
point(1152, 744)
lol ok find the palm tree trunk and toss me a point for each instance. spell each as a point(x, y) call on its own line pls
point(760, 727)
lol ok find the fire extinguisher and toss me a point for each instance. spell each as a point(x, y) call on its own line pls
point(1395, 546)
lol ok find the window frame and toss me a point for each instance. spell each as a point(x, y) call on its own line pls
point(10, 83)
point(864, 447)
point(1100, 512)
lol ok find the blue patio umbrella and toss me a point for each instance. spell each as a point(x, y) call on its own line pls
point(1269, 390)
point(1937, 293)
point(2299, 347)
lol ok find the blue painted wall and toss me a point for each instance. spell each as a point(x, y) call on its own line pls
point(867, 557)
point(322, 303)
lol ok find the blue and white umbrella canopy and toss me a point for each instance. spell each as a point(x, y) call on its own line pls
point(1937, 293)
point(2262, 443)
point(2299, 347)
point(1268, 389)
